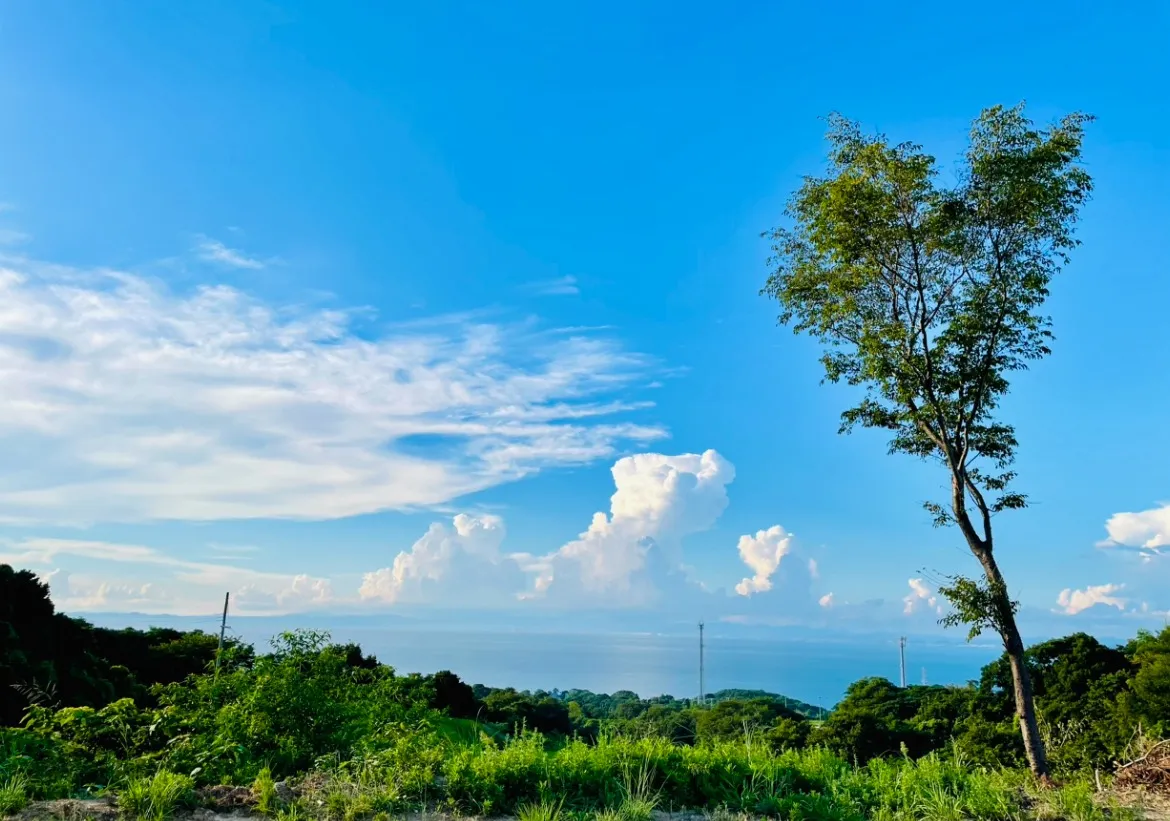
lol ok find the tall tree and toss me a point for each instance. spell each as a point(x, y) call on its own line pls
point(928, 296)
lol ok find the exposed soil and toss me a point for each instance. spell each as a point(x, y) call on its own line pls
point(1153, 806)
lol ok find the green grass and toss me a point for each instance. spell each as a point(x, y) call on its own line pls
point(156, 798)
point(539, 811)
point(640, 798)
point(264, 788)
point(13, 795)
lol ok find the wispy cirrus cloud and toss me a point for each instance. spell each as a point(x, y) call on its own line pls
point(560, 286)
point(9, 235)
point(212, 250)
point(125, 401)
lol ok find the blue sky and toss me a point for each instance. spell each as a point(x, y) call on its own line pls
point(291, 286)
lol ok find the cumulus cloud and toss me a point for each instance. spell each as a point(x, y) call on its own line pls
point(457, 564)
point(75, 592)
point(658, 501)
point(177, 585)
point(106, 595)
point(921, 596)
point(763, 553)
point(212, 250)
point(826, 600)
point(1147, 531)
point(124, 401)
point(301, 593)
point(1075, 601)
point(632, 555)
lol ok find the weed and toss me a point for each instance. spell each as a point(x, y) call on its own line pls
point(539, 811)
point(13, 795)
point(156, 798)
point(290, 813)
point(639, 796)
point(264, 789)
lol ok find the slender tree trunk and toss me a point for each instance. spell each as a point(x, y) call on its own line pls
point(1021, 681)
point(1025, 704)
point(1005, 622)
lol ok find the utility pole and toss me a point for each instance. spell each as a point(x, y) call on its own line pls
point(222, 629)
point(902, 654)
point(701, 693)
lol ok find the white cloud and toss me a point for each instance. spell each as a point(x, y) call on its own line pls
point(1147, 531)
point(300, 593)
point(212, 250)
point(814, 569)
point(10, 236)
point(561, 286)
point(826, 600)
point(177, 585)
point(658, 501)
point(126, 402)
point(232, 551)
point(763, 553)
point(630, 556)
point(103, 595)
point(459, 564)
point(920, 595)
point(1075, 601)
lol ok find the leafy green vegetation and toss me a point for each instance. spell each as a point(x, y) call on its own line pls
point(315, 729)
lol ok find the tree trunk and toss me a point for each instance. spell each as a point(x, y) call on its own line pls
point(1021, 680)
point(1004, 620)
point(1025, 705)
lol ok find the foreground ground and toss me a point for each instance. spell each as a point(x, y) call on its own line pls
point(334, 802)
point(1138, 807)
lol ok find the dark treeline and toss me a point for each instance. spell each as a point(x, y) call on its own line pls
point(49, 658)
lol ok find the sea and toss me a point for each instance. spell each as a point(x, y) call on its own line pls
point(816, 671)
point(814, 666)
